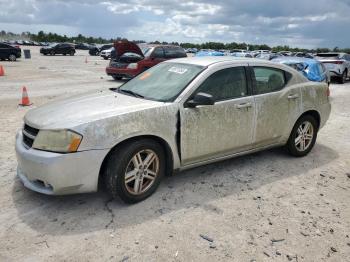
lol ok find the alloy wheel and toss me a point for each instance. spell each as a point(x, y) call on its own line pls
point(304, 136)
point(141, 171)
point(12, 58)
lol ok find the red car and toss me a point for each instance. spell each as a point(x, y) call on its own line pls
point(129, 60)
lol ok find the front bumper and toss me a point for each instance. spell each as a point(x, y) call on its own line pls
point(124, 72)
point(58, 174)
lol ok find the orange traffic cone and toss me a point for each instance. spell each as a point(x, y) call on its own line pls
point(25, 98)
point(86, 60)
point(2, 71)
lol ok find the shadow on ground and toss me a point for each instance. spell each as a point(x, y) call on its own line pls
point(76, 214)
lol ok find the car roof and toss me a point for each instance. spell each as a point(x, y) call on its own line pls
point(156, 45)
point(209, 60)
point(295, 59)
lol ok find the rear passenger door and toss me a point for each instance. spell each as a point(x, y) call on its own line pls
point(277, 105)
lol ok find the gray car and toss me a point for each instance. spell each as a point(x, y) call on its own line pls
point(177, 115)
point(338, 65)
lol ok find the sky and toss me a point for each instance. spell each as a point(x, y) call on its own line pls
point(297, 23)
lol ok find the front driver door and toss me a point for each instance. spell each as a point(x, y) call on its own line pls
point(208, 132)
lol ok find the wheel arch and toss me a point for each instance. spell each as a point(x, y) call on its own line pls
point(167, 149)
point(314, 113)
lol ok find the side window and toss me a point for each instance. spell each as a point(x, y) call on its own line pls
point(225, 84)
point(158, 52)
point(174, 53)
point(268, 79)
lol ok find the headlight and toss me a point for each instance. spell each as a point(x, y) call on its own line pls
point(61, 141)
point(132, 66)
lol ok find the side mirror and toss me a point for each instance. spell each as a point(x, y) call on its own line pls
point(200, 99)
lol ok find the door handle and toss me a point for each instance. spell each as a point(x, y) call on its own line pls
point(244, 105)
point(293, 96)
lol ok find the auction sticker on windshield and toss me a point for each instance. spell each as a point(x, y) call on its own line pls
point(177, 70)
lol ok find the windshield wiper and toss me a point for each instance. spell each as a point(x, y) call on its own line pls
point(131, 93)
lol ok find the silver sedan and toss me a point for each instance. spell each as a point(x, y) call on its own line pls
point(177, 115)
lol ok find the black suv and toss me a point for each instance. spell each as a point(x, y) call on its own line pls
point(64, 49)
point(9, 52)
point(96, 50)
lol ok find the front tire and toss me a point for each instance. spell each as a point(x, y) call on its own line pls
point(303, 136)
point(117, 77)
point(344, 76)
point(71, 53)
point(134, 171)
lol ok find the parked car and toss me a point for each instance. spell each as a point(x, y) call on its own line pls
point(267, 56)
point(96, 50)
point(191, 50)
point(9, 52)
point(310, 68)
point(285, 53)
point(241, 54)
point(106, 54)
point(62, 49)
point(303, 54)
point(177, 115)
point(129, 60)
point(83, 46)
point(338, 64)
point(208, 52)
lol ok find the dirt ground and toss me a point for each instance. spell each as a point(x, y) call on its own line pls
point(262, 207)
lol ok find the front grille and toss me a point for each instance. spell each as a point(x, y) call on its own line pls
point(29, 134)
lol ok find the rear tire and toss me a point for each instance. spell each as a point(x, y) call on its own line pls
point(12, 58)
point(303, 136)
point(134, 171)
point(71, 53)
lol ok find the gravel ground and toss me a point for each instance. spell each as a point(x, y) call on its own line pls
point(266, 206)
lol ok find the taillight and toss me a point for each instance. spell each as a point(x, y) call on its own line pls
point(338, 62)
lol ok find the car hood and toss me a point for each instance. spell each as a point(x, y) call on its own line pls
point(122, 47)
point(82, 109)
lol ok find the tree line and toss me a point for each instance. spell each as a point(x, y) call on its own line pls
point(42, 36)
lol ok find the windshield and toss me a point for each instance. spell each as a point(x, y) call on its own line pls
point(163, 82)
point(146, 51)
